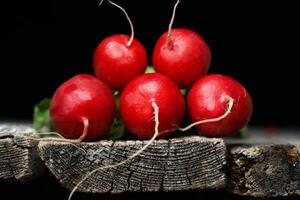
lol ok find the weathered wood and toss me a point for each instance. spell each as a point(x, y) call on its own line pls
point(167, 165)
point(266, 166)
point(18, 153)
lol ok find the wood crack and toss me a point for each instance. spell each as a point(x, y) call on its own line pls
point(18, 158)
point(267, 169)
point(164, 167)
point(264, 170)
point(167, 165)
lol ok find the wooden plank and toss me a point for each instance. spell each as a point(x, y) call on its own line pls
point(167, 165)
point(264, 165)
point(18, 152)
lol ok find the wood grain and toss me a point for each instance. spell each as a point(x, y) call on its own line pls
point(18, 153)
point(167, 165)
point(261, 165)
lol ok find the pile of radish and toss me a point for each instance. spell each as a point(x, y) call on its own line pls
point(151, 104)
point(83, 107)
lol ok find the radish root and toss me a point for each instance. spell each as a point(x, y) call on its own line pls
point(100, 2)
point(62, 139)
point(49, 133)
point(171, 24)
point(85, 129)
point(73, 142)
point(85, 122)
point(228, 110)
point(230, 104)
point(130, 22)
point(156, 133)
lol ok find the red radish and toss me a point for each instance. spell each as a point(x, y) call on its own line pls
point(155, 134)
point(83, 107)
point(182, 55)
point(119, 58)
point(136, 105)
point(209, 98)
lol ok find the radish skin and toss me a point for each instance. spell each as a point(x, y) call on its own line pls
point(208, 99)
point(155, 135)
point(181, 54)
point(119, 58)
point(136, 108)
point(83, 108)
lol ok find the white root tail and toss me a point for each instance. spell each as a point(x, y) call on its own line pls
point(130, 22)
point(230, 104)
point(72, 142)
point(156, 112)
point(228, 110)
point(49, 133)
point(171, 24)
point(85, 122)
point(86, 125)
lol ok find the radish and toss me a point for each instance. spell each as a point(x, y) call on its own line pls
point(83, 108)
point(149, 103)
point(223, 102)
point(136, 108)
point(182, 55)
point(119, 58)
point(152, 106)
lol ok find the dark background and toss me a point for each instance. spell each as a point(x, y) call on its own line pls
point(44, 43)
point(47, 188)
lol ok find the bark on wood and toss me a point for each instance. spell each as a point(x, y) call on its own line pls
point(265, 170)
point(18, 153)
point(167, 165)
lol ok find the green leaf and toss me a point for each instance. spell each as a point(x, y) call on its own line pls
point(242, 134)
point(41, 116)
point(150, 69)
point(117, 130)
point(183, 92)
point(117, 100)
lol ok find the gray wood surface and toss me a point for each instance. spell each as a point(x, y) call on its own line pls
point(266, 164)
point(18, 153)
point(167, 165)
point(262, 165)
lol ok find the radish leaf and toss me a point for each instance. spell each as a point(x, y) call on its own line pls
point(150, 69)
point(117, 130)
point(242, 134)
point(41, 116)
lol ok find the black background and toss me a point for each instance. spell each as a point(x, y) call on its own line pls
point(47, 188)
point(44, 43)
